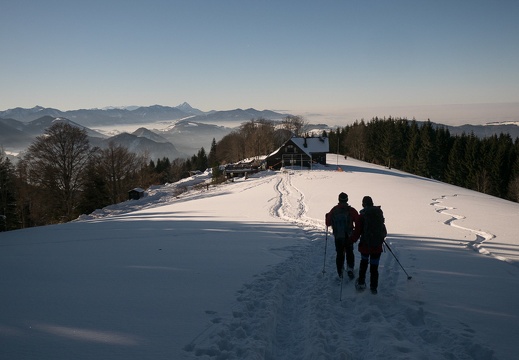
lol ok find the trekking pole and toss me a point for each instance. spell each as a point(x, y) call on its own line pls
point(391, 251)
point(325, 246)
point(342, 280)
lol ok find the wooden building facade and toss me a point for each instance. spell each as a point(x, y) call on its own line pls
point(302, 152)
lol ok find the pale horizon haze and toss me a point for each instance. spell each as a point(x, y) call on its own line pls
point(450, 61)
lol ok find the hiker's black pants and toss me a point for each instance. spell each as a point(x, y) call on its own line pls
point(373, 261)
point(344, 252)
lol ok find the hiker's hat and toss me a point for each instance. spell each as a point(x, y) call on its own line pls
point(367, 201)
point(343, 197)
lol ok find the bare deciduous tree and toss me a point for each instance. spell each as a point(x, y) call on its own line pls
point(56, 161)
point(230, 148)
point(252, 139)
point(118, 167)
point(296, 124)
point(258, 137)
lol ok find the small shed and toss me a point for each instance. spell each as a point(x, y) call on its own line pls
point(135, 194)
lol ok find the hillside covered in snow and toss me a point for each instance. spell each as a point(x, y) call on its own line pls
point(245, 270)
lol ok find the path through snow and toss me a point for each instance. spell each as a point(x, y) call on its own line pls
point(293, 310)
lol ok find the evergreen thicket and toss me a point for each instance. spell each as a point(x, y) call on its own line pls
point(489, 165)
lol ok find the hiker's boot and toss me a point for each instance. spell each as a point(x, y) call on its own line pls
point(351, 275)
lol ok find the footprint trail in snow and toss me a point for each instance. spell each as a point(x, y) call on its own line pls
point(480, 236)
point(293, 310)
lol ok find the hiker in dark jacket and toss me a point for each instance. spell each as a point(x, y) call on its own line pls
point(344, 221)
point(373, 231)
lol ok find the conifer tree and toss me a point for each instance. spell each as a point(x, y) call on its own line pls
point(200, 161)
point(443, 143)
point(501, 166)
point(513, 187)
point(471, 162)
point(211, 158)
point(455, 173)
point(355, 140)
point(425, 156)
point(391, 142)
point(8, 196)
point(410, 163)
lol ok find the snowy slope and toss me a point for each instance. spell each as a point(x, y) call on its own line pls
point(236, 272)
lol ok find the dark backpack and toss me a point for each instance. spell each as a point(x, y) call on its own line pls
point(374, 229)
point(342, 223)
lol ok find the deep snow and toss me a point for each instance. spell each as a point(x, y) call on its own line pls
point(235, 271)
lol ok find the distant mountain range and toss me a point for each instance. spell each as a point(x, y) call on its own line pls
point(16, 136)
point(19, 135)
point(93, 117)
point(190, 128)
point(140, 115)
point(487, 130)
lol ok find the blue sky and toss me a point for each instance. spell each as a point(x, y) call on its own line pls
point(298, 56)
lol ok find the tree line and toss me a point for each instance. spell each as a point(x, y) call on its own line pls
point(62, 176)
point(489, 165)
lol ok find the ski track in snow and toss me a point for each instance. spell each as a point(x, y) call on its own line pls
point(293, 311)
point(290, 204)
point(480, 236)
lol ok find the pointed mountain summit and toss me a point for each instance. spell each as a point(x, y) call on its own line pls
point(185, 107)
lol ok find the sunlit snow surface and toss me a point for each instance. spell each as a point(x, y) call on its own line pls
point(239, 271)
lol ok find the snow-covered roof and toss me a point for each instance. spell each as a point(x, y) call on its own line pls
point(137, 189)
point(313, 144)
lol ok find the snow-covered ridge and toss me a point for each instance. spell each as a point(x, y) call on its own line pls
point(516, 123)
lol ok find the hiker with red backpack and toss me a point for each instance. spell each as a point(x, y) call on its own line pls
point(344, 221)
point(373, 232)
